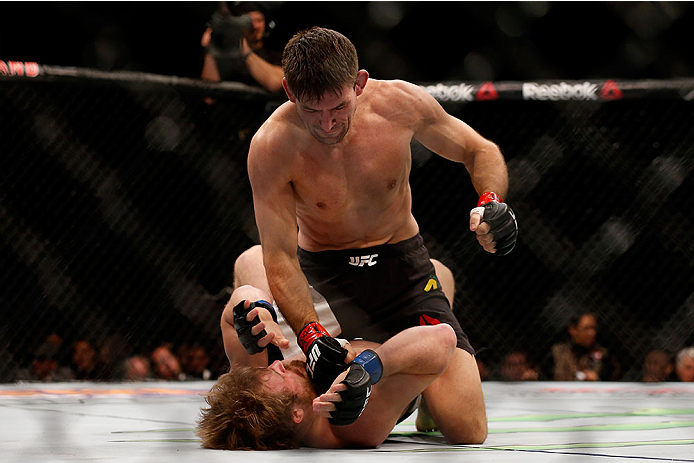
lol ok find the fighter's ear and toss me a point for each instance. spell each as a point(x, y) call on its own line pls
point(362, 78)
point(297, 414)
point(289, 93)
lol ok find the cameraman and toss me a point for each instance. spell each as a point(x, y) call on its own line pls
point(234, 49)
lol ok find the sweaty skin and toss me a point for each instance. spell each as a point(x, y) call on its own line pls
point(333, 174)
point(338, 170)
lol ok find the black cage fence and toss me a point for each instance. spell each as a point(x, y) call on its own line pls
point(124, 202)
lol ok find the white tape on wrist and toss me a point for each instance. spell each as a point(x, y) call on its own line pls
point(478, 210)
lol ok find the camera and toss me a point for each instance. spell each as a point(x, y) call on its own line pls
point(227, 32)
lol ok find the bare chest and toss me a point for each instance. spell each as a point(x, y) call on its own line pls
point(360, 177)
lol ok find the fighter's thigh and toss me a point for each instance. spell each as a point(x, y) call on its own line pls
point(456, 403)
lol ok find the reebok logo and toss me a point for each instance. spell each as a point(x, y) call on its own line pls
point(461, 92)
point(560, 91)
point(360, 261)
point(611, 91)
point(487, 92)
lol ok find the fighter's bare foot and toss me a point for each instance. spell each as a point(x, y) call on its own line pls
point(424, 421)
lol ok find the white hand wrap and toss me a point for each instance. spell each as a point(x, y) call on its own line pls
point(478, 210)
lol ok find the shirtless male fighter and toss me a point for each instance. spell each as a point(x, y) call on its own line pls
point(330, 172)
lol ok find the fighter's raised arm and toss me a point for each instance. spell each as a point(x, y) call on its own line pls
point(493, 222)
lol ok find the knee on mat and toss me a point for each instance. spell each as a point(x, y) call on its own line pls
point(470, 436)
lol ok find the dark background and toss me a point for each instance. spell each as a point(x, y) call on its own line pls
point(124, 205)
point(417, 41)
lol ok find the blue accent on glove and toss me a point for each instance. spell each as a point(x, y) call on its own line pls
point(267, 305)
point(371, 363)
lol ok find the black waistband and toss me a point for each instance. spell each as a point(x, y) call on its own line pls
point(343, 255)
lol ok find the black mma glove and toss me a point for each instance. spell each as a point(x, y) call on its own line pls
point(325, 357)
point(364, 371)
point(243, 326)
point(501, 220)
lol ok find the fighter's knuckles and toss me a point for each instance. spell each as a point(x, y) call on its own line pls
point(483, 229)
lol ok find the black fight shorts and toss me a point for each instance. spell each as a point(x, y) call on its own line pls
point(380, 291)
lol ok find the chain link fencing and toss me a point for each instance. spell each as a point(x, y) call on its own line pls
point(124, 202)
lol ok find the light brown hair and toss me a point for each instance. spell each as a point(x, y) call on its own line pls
point(243, 415)
point(318, 60)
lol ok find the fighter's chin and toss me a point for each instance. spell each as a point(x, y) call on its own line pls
point(299, 367)
point(329, 139)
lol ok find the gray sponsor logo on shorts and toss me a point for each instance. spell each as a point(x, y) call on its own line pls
point(360, 261)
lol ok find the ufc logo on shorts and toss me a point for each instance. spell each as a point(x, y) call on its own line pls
point(360, 261)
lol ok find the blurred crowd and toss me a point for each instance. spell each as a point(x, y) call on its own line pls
point(580, 357)
point(111, 360)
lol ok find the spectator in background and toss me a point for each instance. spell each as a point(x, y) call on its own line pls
point(113, 351)
point(46, 365)
point(684, 364)
point(165, 365)
point(657, 366)
point(581, 358)
point(515, 367)
point(136, 368)
point(84, 361)
point(235, 50)
point(195, 362)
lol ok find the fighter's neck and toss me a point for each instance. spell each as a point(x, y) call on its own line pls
point(317, 433)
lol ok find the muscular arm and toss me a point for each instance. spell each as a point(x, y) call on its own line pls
point(412, 360)
point(273, 200)
point(453, 139)
point(418, 351)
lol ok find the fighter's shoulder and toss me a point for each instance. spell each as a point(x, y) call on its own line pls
point(401, 99)
point(398, 90)
point(278, 130)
